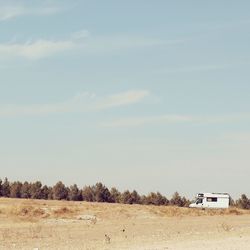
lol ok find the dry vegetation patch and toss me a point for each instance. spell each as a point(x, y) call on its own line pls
point(172, 211)
point(65, 212)
point(27, 212)
point(82, 225)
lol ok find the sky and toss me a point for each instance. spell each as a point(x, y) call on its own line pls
point(145, 95)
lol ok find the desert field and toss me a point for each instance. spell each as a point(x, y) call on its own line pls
point(40, 224)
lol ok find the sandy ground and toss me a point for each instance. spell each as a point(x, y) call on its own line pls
point(29, 224)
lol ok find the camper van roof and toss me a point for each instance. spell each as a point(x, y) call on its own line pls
point(222, 195)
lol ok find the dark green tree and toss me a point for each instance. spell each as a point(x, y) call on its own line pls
point(36, 190)
point(25, 191)
point(185, 202)
point(50, 193)
point(135, 197)
point(74, 193)
point(177, 200)
point(15, 189)
point(115, 195)
point(101, 193)
point(60, 192)
point(88, 193)
point(6, 188)
point(243, 202)
point(126, 197)
point(45, 192)
point(155, 199)
point(1, 187)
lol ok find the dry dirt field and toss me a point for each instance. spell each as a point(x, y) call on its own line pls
point(38, 224)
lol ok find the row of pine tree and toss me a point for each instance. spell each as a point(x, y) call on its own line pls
point(95, 193)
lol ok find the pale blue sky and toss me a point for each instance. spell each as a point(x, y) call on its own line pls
point(145, 95)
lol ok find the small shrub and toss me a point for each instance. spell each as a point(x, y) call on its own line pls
point(63, 212)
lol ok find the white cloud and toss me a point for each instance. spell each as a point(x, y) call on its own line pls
point(198, 68)
point(114, 43)
point(122, 99)
point(225, 118)
point(167, 119)
point(139, 121)
point(83, 102)
point(10, 12)
point(35, 50)
point(82, 41)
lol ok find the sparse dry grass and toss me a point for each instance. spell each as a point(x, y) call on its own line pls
point(31, 210)
point(26, 212)
point(83, 225)
point(226, 227)
point(64, 212)
point(171, 211)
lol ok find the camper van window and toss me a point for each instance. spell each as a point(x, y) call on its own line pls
point(199, 201)
point(211, 199)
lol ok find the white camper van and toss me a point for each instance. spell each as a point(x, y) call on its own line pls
point(211, 200)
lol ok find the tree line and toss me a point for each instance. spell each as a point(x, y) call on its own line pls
point(95, 193)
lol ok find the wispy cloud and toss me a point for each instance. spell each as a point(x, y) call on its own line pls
point(198, 68)
point(35, 50)
point(83, 42)
point(8, 12)
point(139, 121)
point(114, 43)
point(122, 99)
point(83, 102)
point(169, 119)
